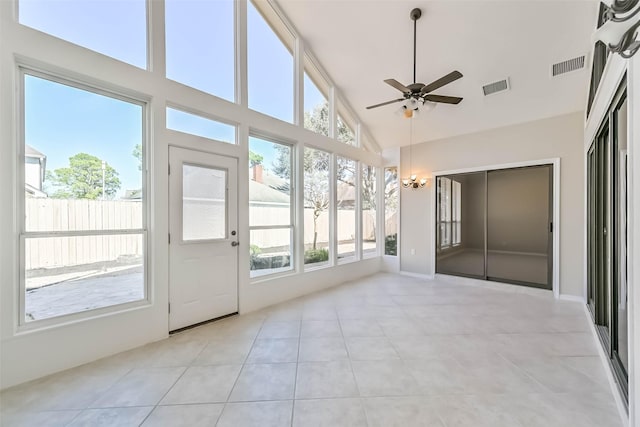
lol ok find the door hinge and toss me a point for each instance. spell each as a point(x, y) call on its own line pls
point(169, 238)
point(169, 169)
point(169, 307)
point(551, 227)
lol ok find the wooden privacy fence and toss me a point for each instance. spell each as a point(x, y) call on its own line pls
point(61, 215)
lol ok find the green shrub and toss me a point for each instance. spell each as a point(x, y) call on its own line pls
point(316, 255)
point(391, 244)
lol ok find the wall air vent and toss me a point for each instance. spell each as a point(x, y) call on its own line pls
point(568, 66)
point(495, 87)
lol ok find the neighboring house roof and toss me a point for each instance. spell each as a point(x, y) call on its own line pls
point(261, 193)
point(133, 194)
point(29, 151)
point(34, 192)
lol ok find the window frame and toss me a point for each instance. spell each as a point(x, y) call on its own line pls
point(292, 212)
point(23, 70)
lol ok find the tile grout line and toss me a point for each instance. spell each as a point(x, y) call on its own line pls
point(295, 377)
point(244, 363)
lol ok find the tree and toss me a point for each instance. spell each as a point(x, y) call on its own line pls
point(137, 153)
point(255, 159)
point(83, 179)
point(316, 197)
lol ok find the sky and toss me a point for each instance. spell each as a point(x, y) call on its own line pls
point(61, 121)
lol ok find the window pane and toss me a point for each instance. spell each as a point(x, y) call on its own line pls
point(316, 206)
point(270, 68)
point(200, 45)
point(391, 211)
point(345, 133)
point(83, 159)
point(270, 251)
point(269, 183)
point(67, 275)
point(316, 108)
point(204, 211)
point(114, 28)
point(345, 202)
point(368, 209)
point(200, 126)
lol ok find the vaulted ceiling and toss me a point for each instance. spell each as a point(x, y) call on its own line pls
point(362, 42)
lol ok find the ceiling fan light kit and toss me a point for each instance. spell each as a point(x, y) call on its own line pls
point(416, 95)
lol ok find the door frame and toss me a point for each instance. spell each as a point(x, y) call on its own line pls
point(555, 162)
point(188, 148)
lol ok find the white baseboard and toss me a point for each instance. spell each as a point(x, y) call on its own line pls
point(575, 298)
point(417, 275)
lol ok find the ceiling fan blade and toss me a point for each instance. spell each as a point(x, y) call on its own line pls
point(442, 81)
point(385, 103)
point(443, 99)
point(402, 88)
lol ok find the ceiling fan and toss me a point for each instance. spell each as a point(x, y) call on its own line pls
point(417, 93)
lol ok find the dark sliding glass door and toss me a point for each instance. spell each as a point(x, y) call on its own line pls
point(607, 285)
point(496, 225)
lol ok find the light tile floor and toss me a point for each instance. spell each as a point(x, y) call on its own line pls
point(383, 351)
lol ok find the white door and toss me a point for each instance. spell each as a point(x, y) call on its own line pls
point(203, 240)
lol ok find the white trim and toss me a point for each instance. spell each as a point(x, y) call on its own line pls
point(417, 275)
point(575, 298)
point(555, 281)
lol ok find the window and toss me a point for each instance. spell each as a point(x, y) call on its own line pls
point(200, 45)
point(316, 104)
point(114, 28)
point(344, 132)
point(391, 211)
point(204, 207)
point(346, 207)
point(83, 239)
point(369, 209)
point(270, 207)
point(316, 207)
point(450, 192)
point(270, 65)
point(200, 126)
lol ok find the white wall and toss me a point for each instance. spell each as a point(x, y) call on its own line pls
point(558, 137)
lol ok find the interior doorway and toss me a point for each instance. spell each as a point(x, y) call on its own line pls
point(497, 225)
point(203, 239)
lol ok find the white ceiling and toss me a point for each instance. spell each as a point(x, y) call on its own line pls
point(362, 42)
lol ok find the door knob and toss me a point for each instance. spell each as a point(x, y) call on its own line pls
point(235, 243)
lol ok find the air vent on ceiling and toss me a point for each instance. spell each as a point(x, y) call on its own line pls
point(496, 87)
point(568, 66)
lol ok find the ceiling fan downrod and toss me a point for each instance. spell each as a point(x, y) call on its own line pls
point(415, 15)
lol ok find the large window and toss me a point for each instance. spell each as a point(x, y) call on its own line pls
point(345, 133)
point(83, 240)
point(200, 45)
point(270, 207)
point(114, 28)
point(391, 211)
point(270, 66)
point(368, 210)
point(316, 104)
point(346, 207)
point(316, 207)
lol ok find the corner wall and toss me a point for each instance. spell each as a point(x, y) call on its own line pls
point(560, 136)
